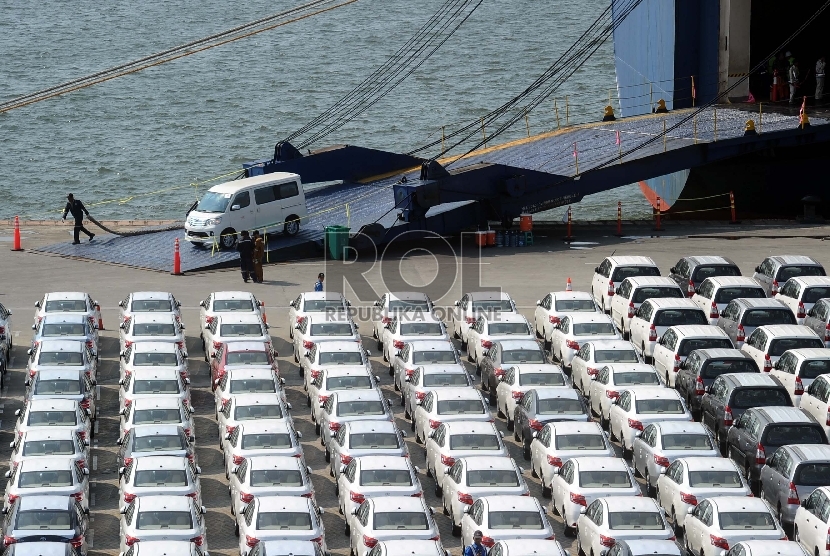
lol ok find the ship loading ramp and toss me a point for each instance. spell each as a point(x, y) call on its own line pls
point(387, 195)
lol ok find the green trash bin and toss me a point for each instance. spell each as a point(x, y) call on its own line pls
point(337, 239)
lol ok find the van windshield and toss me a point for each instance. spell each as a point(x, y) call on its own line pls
point(214, 202)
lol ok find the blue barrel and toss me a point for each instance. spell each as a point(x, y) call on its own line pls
point(521, 238)
point(514, 239)
point(499, 239)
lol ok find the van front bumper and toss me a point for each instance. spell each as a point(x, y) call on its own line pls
point(198, 237)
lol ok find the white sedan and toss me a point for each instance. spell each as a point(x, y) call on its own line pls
point(459, 439)
point(593, 355)
point(614, 518)
point(472, 305)
point(245, 327)
point(151, 327)
point(284, 518)
point(520, 378)
point(505, 517)
point(574, 330)
point(308, 303)
point(814, 511)
point(387, 518)
point(325, 327)
point(715, 524)
point(613, 379)
point(443, 405)
point(408, 327)
point(219, 303)
point(640, 406)
point(268, 476)
point(334, 379)
point(368, 476)
point(149, 302)
point(554, 306)
point(489, 329)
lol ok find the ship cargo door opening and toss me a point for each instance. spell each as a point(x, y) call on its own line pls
point(771, 24)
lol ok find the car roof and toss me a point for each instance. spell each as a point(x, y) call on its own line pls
point(297, 548)
point(698, 330)
point(265, 425)
point(575, 427)
point(488, 462)
point(371, 426)
point(442, 369)
point(413, 547)
point(563, 295)
point(345, 370)
point(164, 501)
point(549, 392)
point(41, 548)
point(708, 259)
point(161, 462)
point(532, 547)
point(794, 259)
point(53, 318)
point(672, 303)
point(353, 395)
point(811, 353)
point(788, 330)
point(463, 393)
point(257, 399)
point(392, 503)
point(739, 503)
point(338, 345)
point(523, 368)
point(58, 404)
point(151, 295)
point(251, 371)
point(166, 548)
point(46, 502)
point(515, 502)
point(273, 462)
point(783, 414)
point(518, 344)
point(720, 281)
point(631, 261)
point(328, 316)
point(47, 464)
point(473, 427)
point(245, 346)
point(159, 402)
point(154, 347)
point(232, 295)
point(161, 373)
point(484, 295)
point(383, 462)
point(631, 367)
point(407, 296)
point(55, 296)
point(577, 318)
point(751, 379)
point(611, 344)
point(46, 433)
point(630, 503)
point(322, 295)
point(62, 345)
point(671, 427)
point(722, 353)
point(51, 373)
point(760, 303)
point(811, 451)
point(504, 316)
point(812, 280)
point(699, 463)
point(654, 393)
point(639, 547)
point(237, 185)
point(417, 316)
point(640, 281)
point(431, 345)
point(153, 317)
point(153, 430)
point(773, 548)
point(241, 318)
point(594, 463)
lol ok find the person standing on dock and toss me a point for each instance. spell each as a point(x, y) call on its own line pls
point(793, 75)
point(77, 208)
point(318, 285)
point(820, 67)
point(246, 255)
point(477, 548)
point(258, 253)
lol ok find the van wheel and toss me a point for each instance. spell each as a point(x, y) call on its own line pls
point(228, 238)
point(292, 225)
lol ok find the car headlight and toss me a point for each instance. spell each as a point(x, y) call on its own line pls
point(213, 221)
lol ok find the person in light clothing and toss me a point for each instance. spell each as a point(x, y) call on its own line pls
point(820, 67)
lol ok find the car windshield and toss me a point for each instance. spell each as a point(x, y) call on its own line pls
point(60, 418)
point(793, 271)
point(814, 293)
point(230, 305)
point(580, 442)
point(284, 521)
point(779, 435)
point(492, 477)
point(541, 379)
point(276, 477)
point(623, 272)
point(421, 329)
point(160, 477)
point(650, 407)
point(58, 386)
point(266, 440)
point(812, 474)
point(725, 295)
point(515, 520)
point(471, 441)
point(332, 329)
point(522, 356)
point(251, 412)
point(247, 358)
point(360, 407)
point(60, 358)
point(401, 521)
point(164, 520)
point(744, 398)
point(49, 448)
point(761, 317)
point(155, 360)
point(367, 440)
point(559, 406)
point(66, 306)
point(813, 368)
point(341, 358)
point(615, 356)
point(779, 346)
point(686, 441)
point(492, 305)
point(322, 305)
point(460, 407)
point(154, 329)
point(508, 328)
point(714, 478)
point(713, 369)
point(156, 416)
point(633, 378)
point(155, 386)
point(58, 478)
point(604, 479)
point(151, 306)
point(253, 329)
point(433, 356)
point(689, 345)
point(408, 305)
point(214, 202)
point(652, 292)
point(158, 443)
point(733, 521)
point(703, 272)
point(385, 477)
point(635, 520)
point(574, 306)
point(676, 317)
point(44, 519)
point(348, 383)
point(594, 329)
point(64, 329)
point(446, 379)
point(253, 386)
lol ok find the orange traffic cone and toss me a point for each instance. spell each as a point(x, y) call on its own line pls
point(16, 244)
point(177, 261)
point(264, 316)
point(568, 287)
point(100, 318)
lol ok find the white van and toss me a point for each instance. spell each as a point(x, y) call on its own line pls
point(272, 202)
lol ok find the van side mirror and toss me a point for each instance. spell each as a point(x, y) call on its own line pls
point(202, 304)
point(235, 207)
point(34, 327)
point(758, 268)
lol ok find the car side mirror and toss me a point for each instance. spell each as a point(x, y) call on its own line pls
point(673, 270)
point(11, 444)
point(119, 442)
point(417, 402)
point(332, 434)
point(354, 511)
point(342, 469)
point(227, 436)
point(662, 470)
point(29, 351)
point(187, 381)
point(387, 325)
point(776, 365)
point(207, 326)
point(34, 327)
point(690, 510)
point(501, 378)
point(398, 353)
point(534, 434)
point(803, 503)
point(757, 269)
point(538, 302)
point(299, 434)
point(407, 379)
point(466, 509)
point(121, 326)
point(17, 412)
point(235, 207)
point(8, 474)
point(202, 510)
point(191, 439)
point(377, 378)
point(86, 442)
point(617, 291)
point(181, 326)
point(457, 303)
point(86, 471)
point(596, 269)
point(638, 434)
point(198, 470)
point(202, 304)
point(403, 434)
point(582, 510)
point(123, 411)
point(122, 510)
point(432, 434)
point(37, 304)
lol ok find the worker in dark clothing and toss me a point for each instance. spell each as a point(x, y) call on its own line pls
point(258, 253)
point(318, 285)
point(246, 256)
point(477, 548)
point(77, 208)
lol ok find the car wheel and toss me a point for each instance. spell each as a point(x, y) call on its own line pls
point(391, 370)
point(236, 529)
point(603, 422)
point(516, 433)
point(412, 423)
point(650, 490)
point(292, 225)
point(226, 241)
point(579, 551)
point(569, 531)
point(308, 401)
point(492, 397)
point(417, 436)
point(456, 530)
point(438, 490)
point(526, 449)
point(796, 536)
point(510, 424)
point(547, 346)
point(545, 491)
point(317, 428)
point(328, 455)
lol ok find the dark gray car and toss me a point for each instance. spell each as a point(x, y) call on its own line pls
point(791, 475)
point(818, 319)
point(505, 354)
point(703, 366)
point(545, 405)
point(760, 431)
point(689, 272)
point(776, 270)
point(732, 394)
point(742, 316)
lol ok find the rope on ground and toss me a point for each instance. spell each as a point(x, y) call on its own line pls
point(135, 232)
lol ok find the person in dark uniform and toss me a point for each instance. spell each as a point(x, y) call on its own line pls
point(77, 208)
point(246, 256)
